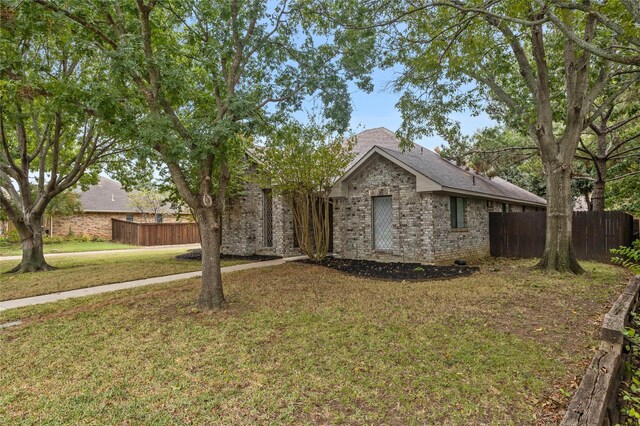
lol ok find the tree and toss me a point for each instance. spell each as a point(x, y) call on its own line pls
point(623, 194)
point(301, 163)
point(204, 75)
point(610, 140)
point(500, 151)
point(518, 61)
point(64, 204)
point(48, 141)
point(147, 200)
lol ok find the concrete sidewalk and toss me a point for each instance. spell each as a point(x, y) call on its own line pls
point(98, 252)
point(82, 292)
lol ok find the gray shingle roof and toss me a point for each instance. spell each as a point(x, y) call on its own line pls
point(439, 170)
point(367, 139)
point(108, 196)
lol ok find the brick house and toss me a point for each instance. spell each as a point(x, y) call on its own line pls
point(390, 205)
point(100, 203)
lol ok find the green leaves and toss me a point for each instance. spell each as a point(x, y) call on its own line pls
point(628, 257)
point(301, 162)
point(55, 108)
point(304, 157)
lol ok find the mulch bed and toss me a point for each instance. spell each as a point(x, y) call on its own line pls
point(196, 254)
point(393, 271)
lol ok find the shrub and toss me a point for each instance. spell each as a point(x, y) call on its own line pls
point(630, 388)
point(629, 257)
point(13, 238)
point(10, 237)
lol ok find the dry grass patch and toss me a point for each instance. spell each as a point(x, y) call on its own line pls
point(88, 271)
point(303, 344)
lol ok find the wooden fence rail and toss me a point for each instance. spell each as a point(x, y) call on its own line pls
point(154, 234)
point(594, 234)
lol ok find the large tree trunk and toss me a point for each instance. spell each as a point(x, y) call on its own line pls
point(211, 294)
point(32, 247)
point(558, 253)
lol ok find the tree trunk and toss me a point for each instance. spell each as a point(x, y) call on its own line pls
point(597, 197)
point(211, 295)
point(32, 247)
point(558, 252)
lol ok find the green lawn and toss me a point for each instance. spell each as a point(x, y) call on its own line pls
point(92, 270)
point(302, 344)
point(14, 249)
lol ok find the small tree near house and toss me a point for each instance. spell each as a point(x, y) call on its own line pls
point(148, 201)
point(301, 163)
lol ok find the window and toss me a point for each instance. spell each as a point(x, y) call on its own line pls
point(158, 217)
point(506, 208)
point(267, 218)
point(382, 223)
point(457, 212)
point(129, 217)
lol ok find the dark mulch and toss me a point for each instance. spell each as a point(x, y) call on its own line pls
point(393, 271)
point(196, 254)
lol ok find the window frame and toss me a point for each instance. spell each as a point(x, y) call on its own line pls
point(454, 213)
point(374, 240)
point(267, 218)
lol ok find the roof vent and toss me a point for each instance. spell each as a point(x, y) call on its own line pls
point(474, 179)
point(113, 198)
point(421, 148)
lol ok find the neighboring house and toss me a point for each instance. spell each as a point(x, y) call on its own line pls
point(389, 205)
point(100, 203)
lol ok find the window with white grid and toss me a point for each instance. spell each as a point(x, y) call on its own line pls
point(382, 223)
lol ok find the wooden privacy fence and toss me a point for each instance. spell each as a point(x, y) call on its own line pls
point(154, 234)
point(594, 234)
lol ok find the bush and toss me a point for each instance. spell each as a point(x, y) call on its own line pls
point(13, 238)
point(10, 237)
point(629, 257)
point(73, 238)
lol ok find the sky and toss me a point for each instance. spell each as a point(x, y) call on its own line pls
point(378, 109)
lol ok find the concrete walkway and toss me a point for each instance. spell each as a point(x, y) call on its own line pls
point(90, 291)
point(99, 252)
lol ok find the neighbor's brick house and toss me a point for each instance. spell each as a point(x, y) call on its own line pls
point(390, 205)
point(100, 203)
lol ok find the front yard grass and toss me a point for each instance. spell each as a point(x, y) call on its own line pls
point(88, 271)
point(15, 249)
point(303, 344)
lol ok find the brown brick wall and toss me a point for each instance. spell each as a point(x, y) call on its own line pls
point(95, 224)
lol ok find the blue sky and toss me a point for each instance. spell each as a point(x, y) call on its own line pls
point(378, 109)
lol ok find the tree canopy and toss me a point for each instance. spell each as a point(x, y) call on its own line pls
point(57, 115)
point(202, 76)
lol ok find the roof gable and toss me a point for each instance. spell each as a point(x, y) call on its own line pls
point(423, 183)
point(433, 173)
